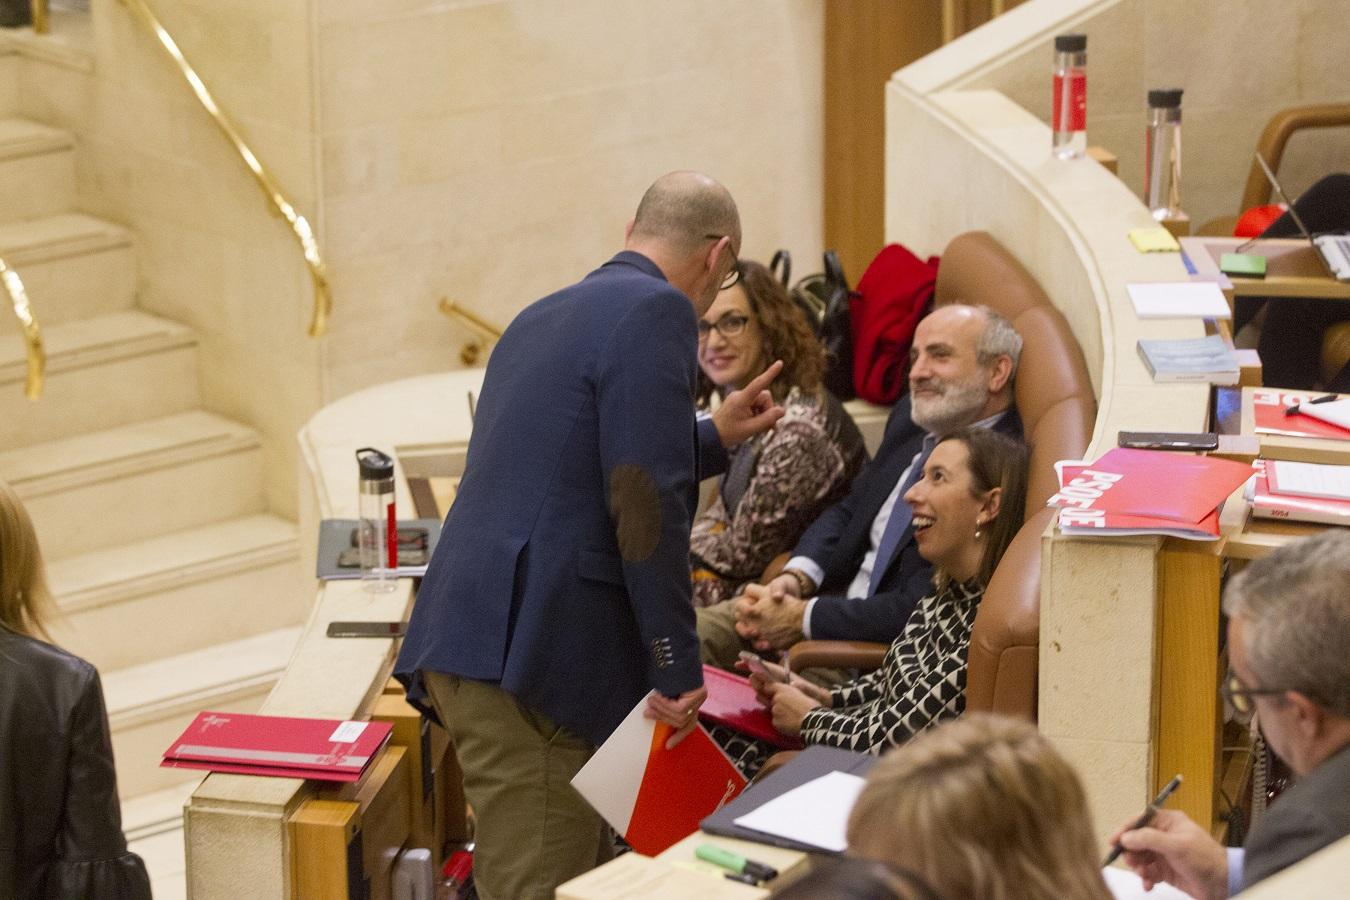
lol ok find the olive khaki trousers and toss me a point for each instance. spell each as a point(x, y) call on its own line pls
point(532, 830)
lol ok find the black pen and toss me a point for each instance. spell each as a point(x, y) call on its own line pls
point(1149, 812)
point(1325, 398)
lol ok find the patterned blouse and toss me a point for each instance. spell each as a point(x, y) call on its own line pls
point(921, 682)
point(775, 486)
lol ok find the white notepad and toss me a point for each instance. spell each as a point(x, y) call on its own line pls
point(1309, 479)
point(815, 813)
point(1178, 300)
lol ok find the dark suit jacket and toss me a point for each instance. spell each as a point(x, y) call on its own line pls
point(1312, 814)
point(562, 572)
point(60, 821)
point(841, 537)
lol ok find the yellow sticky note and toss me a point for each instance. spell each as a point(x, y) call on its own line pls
point(1153, 240)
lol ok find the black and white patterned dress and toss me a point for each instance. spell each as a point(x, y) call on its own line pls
point(921, 682)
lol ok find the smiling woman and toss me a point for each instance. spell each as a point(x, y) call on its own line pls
point(779, 482)
point(967, 507)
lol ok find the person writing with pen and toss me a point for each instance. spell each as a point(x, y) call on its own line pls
point(967, 506)
point(1289, 651)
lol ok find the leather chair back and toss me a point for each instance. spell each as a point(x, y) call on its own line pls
point(1054, 397)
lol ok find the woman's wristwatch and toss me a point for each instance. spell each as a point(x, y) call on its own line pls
point(805, 585)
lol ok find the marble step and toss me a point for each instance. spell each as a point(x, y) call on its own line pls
point(149, 705)
point(136, 482)
point(180, 592)
point(37, 170)
point(101, 373)
point(72, 265)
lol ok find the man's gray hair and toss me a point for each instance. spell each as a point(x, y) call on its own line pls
point(684, 209)
point(999, 339)
point(1295, 606)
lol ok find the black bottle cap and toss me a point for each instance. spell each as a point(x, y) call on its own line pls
point(375, 466)
point(1165, 98)
point(1070, 43)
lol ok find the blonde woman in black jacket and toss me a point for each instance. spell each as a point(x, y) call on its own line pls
point(60, 823)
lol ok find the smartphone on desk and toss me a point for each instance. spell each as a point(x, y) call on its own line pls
point(366, 629)
point(1169, 440)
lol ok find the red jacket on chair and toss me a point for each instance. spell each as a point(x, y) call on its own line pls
point(895, 292)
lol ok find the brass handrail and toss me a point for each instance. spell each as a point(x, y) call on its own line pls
point(42, 21)
point(473, 348)
point(32, 334)
point(318, 273)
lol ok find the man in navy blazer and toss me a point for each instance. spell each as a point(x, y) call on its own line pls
point(559, 593)
point(856, 573)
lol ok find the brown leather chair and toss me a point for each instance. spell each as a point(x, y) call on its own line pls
point(1058, 407)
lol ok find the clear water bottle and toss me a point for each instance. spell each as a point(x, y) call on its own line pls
point(1162, 155)
point(1069, 103)
point(377, 530)
point(456, 876)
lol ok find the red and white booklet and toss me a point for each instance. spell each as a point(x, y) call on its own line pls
point(1131, 491)
point(324, 749)
point(656, 797)
point(1269, 502)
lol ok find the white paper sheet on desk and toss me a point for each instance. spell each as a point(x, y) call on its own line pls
point(1178, 300)
point(1125, 885)
point(815, 813)
point(1337, 412)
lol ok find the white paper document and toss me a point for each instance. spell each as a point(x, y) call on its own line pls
point(1179, 300)
point(1337, 412)
point(815, 813)
point(1125, 885)
point(1310, 479)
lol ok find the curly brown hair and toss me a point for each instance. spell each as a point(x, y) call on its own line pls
point(787, 336)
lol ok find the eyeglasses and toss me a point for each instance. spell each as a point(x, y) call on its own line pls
point(731, 278)
point(1240, 697)
point(730, 325)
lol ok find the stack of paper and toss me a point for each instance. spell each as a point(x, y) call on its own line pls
point(1179, 300)
point(1303, 492)
point(324, 749)
point(1291, 414)
point(1145, 492)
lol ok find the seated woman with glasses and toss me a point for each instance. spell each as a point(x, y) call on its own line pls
point(60, 821)
point(777, 483)
point(967, 508)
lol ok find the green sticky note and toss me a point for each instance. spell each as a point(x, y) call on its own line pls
point(1247, 265)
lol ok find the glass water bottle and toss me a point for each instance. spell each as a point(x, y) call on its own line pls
point(1069, 103)
point(377, 530)
point(1162, 155)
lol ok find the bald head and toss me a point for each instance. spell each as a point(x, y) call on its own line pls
point(681, 210)
point(688, 225)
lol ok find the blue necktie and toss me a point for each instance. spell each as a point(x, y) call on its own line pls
point(901, 515)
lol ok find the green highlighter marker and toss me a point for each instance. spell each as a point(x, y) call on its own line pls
point(734, 862)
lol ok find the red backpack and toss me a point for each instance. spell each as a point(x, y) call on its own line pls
point(894, 294)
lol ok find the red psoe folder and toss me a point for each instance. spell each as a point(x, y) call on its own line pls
point(324, 749)
point(732, 702)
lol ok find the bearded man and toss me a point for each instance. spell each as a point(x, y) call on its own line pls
point(856, 574)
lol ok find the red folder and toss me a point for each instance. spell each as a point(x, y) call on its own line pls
point(732, 702)
point(325, 749)
point(1268, 416)
point(1268, 503)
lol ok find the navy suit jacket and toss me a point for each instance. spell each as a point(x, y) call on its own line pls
point(839, 539)
point(562, 572)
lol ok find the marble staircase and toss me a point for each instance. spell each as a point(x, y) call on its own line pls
point(169, 573)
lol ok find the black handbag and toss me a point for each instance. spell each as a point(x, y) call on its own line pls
point(828, 292)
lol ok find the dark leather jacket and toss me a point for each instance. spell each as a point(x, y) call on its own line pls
point(60, 823)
